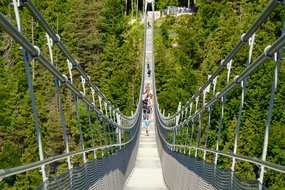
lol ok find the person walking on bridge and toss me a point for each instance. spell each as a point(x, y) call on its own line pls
point(150, 103)
point(149, 71)
point(147, 63)
point(148, 25)
point(147, 124)
point(145, 107)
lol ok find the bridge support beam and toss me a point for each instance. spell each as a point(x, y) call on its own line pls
point(243, 85)
point(118, 130)
point(223, 101)
point(210, 109)
point(277, 58)
point(176, 123)
point(57, 86)
point(32, 94)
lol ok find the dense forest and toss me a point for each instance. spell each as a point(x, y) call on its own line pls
point(109, 49)
point(188, 48)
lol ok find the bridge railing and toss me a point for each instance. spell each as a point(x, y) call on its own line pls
point(115, 131)
point(244, 40)
point(183, 122)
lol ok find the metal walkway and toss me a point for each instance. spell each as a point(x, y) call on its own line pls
point(179, 153)
point(147, 172)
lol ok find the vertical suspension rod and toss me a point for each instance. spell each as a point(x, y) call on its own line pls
point(32, 94)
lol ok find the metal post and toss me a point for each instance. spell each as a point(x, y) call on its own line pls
point(93, 97)
point(182, 139)
point(110, 140)
point(83, 84)
point(192, 132)
point(199, 133)
point(114, 115)
point(196, 108)
point(118, 130)
point(197, 101)
point(91, 130)
point(176, 123)
point(201, 116)
point(220, 129)
point(114, 135)
point(268, 121)
point(229, 66)
point(210, 109)
point(110, 112)
point(99, 131)
point(83, 81)
point(56, 82)
point(178, 136)
point(278, 59)
point(70, 67)
point(80, 129)
point(207, 131)
point(100, 103)
point(243, 85)
point(77, 110)
point(223, 100)
point(174, 137)
point(32, 94)
point(186, 138)
point(106, 110)
point(190, 111)
point(178, 115)
point(104, 128)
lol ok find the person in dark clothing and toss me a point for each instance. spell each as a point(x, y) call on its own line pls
point(148, 25)
point(147, 63)
point(149, 72)
point(145, 107)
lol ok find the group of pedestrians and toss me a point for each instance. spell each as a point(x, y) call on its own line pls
point(147, 107)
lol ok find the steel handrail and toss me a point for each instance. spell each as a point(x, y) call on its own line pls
point(35, 53)
point(259, 162)
point(244, 40)
point(56, 39)
point(269, 52)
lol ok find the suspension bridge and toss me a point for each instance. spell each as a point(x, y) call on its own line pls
point(130, 159)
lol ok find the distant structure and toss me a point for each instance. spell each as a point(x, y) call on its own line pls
point(184, 10)
point(177, 11)
point(169, 10)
